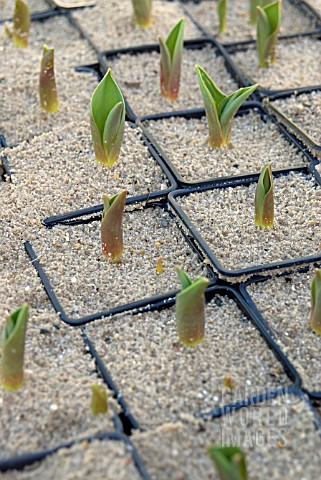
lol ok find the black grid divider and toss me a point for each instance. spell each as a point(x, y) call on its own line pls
point(243, 180)
point(19, 462)
point(285, 120)
point(222, 288)
point(303, 8)
point(255, 400)
point(199, 113)
point(229, 48)
point(313, 395)
point(34, 17)
point(195, 44)
point(74, 219)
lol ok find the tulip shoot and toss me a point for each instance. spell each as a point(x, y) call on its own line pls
point(264, 199)
point(230, 462)
point(21, 24)
point(253, 5)
point(98, 403)
point(12, 348)
point(47, 83)
point(142, 12)
point(111, 228)
point(267, 29)
point(107, 120)
point(220, 108)
point(171, 52)
point(315, 316)
point(221, 12)
point(190, 309)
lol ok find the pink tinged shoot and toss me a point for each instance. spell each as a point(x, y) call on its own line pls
point(229, 461)
point(267, 29)
point(107, 120)
point(12, 348)
point(220, 108)
point(98, 404)
point(264, 199)
point(171, 52)
point(315, 316)
point(142, 12)
point(221, 12)
point(47, 83)
point(111, 228)
point(190, 309)
point(21, 24)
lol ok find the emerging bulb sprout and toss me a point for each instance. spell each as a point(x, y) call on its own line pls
point(171, 52)
point(142, 12)
point(47, 83)
point(111, 228)
point(221, 12)
point(267, 29)
point(264, 199)
point(107, 120)
point(98, 403)
point(229, 461)
point(190, 309)
point(220, 108)
point(315, 316)
point(12, 348)
point(253, 5)
point(21, 24)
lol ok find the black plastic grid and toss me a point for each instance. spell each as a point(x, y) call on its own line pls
point(75, 219)
point(314, 395)
point(197, 44)
point(220, 289)
point(19, 462)
point(243, 180)
point(199, 113)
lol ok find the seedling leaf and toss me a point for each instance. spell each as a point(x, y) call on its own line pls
point(111, 228)
point(98, 403)
point(315, 316)
point(171, 52)
point(264, 199)
point(230, 462)
point(190, 309)
point(221, 12)
point(220, 108)
point(107, 120)
point(268, 26)
point(47, 83)
point(142, 12)
point(13, 346)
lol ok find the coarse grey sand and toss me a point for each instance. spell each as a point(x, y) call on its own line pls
point(285, 304)
point(70, 48)
point(228, 224)
point(253, 144)
point(316, 4)
point(277, 436)
point(86, 283)
point(48, 165)
point(300, 57)
point(304, 111)
point(238, 26)
point(7, 7)
point(139, 79)
point(114, 27)
point(162, 380)
point(108, 459)
point(21, 115)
